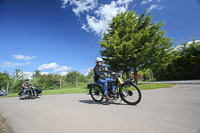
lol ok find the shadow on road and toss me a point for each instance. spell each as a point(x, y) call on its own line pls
point(102, 103)
point(28, 99)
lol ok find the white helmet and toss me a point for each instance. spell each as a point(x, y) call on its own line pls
point(98, 59)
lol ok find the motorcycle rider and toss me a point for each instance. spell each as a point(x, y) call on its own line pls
point(100, 77)
point(25, 86)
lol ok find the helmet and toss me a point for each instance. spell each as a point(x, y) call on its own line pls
point(98, 59)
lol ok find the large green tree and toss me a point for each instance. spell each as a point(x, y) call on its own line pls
point(133, 42)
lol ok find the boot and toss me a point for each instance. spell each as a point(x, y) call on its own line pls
point(107, 97)
point(112, 92)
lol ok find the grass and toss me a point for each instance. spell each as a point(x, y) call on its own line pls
point(66, 91)
point(153, 86)
point(145, 86)
point(4, 127)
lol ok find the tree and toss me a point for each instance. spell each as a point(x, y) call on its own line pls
point(36, 74)
point(4, 78)
point(48, 81)
point(90, 76)
point(133, 42)
point(18, 74)
point(186, 63)
point(74, 78)
point(18, 79)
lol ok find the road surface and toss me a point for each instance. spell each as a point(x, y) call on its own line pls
point(175, 109)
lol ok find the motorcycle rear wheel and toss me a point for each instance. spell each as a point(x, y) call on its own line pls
point(96, 93)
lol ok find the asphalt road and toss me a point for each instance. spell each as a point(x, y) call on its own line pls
point(165, 110)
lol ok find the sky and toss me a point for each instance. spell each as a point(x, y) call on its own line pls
point(60, 36)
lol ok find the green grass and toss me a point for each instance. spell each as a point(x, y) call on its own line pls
point(66, 91)
point(148, 86)
point(145, 86)
point(10, 95)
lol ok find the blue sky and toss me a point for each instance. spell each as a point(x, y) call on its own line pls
point(59, 36)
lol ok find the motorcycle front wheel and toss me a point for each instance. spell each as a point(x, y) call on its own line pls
point(130, 93)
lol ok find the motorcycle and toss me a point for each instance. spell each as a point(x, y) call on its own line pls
point(31, 93)
point(125, 89)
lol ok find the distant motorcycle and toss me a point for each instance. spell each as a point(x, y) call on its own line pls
point(3, 92)
point(31, 93)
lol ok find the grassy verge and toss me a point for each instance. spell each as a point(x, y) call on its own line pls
point(66, 91)
point(4, 127)
point(145, 86)
point(10, 95)
point(153, 86)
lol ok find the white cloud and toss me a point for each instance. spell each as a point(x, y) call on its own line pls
point(64, 2)
point(196, 41)
point(98, 22)
point(144, 2)
point(12, 64)
point(86, 72)
point(80, 5)
point(152, 7)
point(96, 25)
point(54, 66)
point(48, 66)
point(63, 73)
point(180, 47)
point(62, 68)
point(160, 7)
point(124, 2)
point(42, 73)
point(22, 57)
point(84, 27)
point(29, 75)
point(104, 15)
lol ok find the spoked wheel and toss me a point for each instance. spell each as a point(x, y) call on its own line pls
point(32, 94)
point(96, 93)
point(130, 93)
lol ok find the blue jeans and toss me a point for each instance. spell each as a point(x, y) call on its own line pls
point(24, 90)
point(105, 84)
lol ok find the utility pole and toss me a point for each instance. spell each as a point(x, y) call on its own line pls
point(76, 82)
point(7, 85)
point(60, 83)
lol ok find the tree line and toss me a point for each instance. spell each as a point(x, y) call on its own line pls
point(44, 81)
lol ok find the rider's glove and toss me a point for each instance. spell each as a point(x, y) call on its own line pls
point(103, 77)
point(106, 69)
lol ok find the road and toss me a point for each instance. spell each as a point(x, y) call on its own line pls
point(175, 109)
